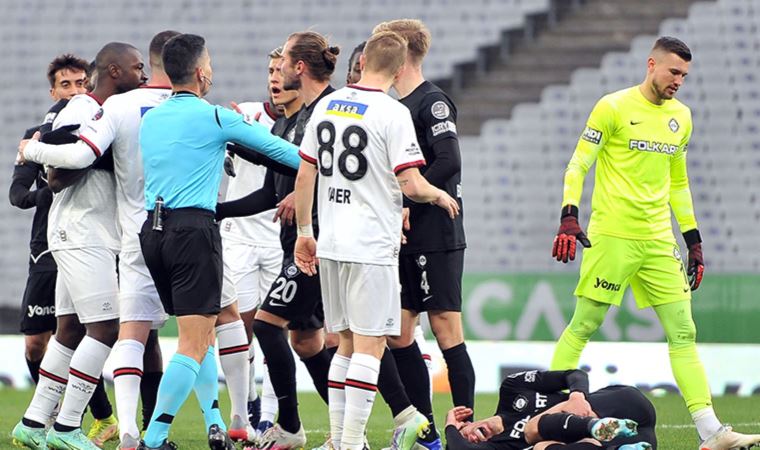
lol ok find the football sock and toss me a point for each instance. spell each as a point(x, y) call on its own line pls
point(233, 354)
point(268, 397)
point(587, 318)
point(336, 381)
point(688, 370)
point(360, 391)
point(318, 366)
point(100, 406)
point(176, 384)
point(54, 374)
point(419, 338)
point(85, 369)
point(390, 386)
point(34, 370)
point(564, 427)
point(206, 390)
point(282, 372)
point(706, 421)
point(148, 394)
point(411, 367)
point(574, 446)
point(461, 375)
point(127, 377)
point(252, 392)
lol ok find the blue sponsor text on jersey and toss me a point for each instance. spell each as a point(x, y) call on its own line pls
point(346, 109)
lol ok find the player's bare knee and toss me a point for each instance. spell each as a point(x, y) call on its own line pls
point(35, 345)
point(447, 328)
point(105, 332)
point(136, 331)
point(307, 343)
point(228, 314)
point(69, 331)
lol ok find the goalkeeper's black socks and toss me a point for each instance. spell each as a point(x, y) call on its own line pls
point(564, 427)
point(461, 375)
point(282, 372)
point(100, 406)
point(318, 366)
point(148, 394)
point(34, 370)
point(390, 386)
point(414, 374)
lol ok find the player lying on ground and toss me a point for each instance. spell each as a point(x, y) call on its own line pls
point(534, 412)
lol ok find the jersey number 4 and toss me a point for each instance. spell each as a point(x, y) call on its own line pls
point(352, 163)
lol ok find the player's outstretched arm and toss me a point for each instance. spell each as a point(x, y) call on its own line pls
point(306, 246)
point(418, 189)
point(255, 137)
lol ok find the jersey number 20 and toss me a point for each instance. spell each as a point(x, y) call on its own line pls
point(352, 163)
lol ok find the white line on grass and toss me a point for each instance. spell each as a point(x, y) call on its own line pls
point(691, 425)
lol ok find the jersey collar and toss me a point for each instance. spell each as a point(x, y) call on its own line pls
point(364, 88)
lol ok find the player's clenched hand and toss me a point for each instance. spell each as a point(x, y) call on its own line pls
point(22, 145)
point(569, 231)
point(695, 266)
point(578, 405)
point(306, 255)
point(286, 209)
point(445, 201)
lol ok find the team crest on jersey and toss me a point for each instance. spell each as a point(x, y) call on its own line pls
point(98, 114)
point(676, 253)
point(421, 261)
point(440, 110)
point(291, 271)
point(673, 125)
point(520, 403)
point(345, 108)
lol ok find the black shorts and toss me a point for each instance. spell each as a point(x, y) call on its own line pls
point(432, 281)
point(296, 297)
point(38, 306)
point(629, 403)
point(185, 261)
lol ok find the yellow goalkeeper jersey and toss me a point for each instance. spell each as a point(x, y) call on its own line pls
point(640, 153)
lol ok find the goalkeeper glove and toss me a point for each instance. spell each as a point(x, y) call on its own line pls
point(569, 232)
point(695, 267)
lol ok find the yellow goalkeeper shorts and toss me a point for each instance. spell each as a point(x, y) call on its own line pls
point(653, 268)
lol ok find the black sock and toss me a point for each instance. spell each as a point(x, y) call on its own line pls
point(99, 404)
point(31, 423)
point(575, 446)
point(461, 375)
point(148, 393)
point(390, 386)
point(34, 370)
point(414, 375)
point(564, 427)
point(63, 428)
point(282, 372)
point(331, 351)
point(318, 366)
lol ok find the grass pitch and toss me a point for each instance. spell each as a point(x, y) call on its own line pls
point(674, 430)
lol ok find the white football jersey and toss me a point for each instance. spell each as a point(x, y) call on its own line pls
point(258, 230)
point(359, 138)
point(84, 214)
point(119, 127)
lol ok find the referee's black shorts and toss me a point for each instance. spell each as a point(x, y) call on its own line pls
point(185, 261)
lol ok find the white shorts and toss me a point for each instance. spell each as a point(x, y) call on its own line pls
point(363, 298)
point(249, 272)
point(86, 284)
point(138, 298)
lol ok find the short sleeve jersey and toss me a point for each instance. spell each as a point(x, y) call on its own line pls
point(260, 229)
point(183, 142)
point(118, 128)
point(84, 214)
point(434, 116)
point(359, 138)
point(635, 143)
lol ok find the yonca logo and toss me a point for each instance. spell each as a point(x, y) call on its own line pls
point(606, 285)
point(40, 310)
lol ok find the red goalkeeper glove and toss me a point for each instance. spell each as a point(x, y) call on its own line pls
point(695, 267)
point(569, 231)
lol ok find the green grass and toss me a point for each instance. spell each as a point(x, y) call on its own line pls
point(675, 430)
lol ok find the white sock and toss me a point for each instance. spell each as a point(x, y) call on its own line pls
point(419, 337)
point(233, 354)
point(54, 374)
point(361, 388)
point(336, 395)
point(269, 405)
point(84, 374)
point(252, 394)
point(127, 374)
point(706, 421)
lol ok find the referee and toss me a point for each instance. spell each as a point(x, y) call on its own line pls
point(183, 147)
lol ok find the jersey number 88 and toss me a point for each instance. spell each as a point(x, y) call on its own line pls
point(352, 163)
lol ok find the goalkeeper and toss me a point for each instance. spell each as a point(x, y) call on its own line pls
point(639, 137)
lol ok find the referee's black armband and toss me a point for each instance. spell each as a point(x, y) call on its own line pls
point(569, 210)
point(692, 237)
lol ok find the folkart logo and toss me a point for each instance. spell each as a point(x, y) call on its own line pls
point(606, 285)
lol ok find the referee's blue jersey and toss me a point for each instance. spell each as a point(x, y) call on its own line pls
point(183, 142)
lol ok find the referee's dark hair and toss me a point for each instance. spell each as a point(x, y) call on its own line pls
point(66, 61)
point(670, 44)
point(157, 46)
point(180, 57)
